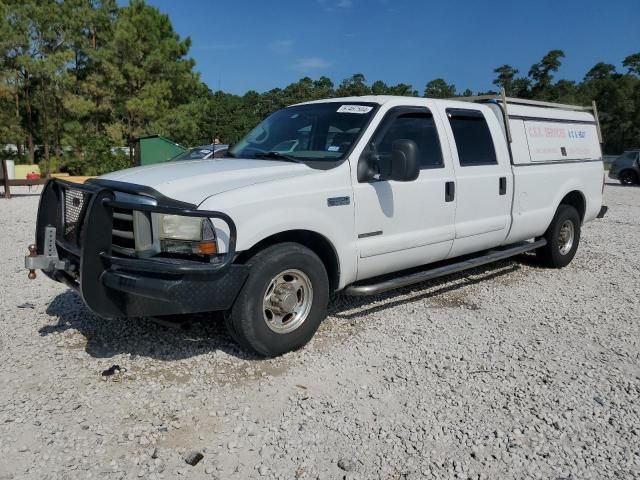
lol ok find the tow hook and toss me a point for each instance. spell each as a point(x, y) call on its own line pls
point(47, 262)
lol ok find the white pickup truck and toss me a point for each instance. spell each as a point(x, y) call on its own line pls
point(359, 195)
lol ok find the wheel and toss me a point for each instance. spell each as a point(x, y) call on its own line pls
point(281, 305)
point(563, 236)
point(628, 177)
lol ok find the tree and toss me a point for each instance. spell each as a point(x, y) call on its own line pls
point(617, 97)
point(87, 99)
point(353, 87)
point(632, 62)
point(600, 71)
point(323, 88)
point(541, 73)
point(438, 88)
point(379, 88)
point(16, 52)
point(13, 43)
point(147, 69)
point(506, 75)
point(403, 89)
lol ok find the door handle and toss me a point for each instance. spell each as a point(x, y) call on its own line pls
point(449, 191)
point(502, 186)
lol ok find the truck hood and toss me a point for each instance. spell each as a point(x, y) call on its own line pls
point(194, 181)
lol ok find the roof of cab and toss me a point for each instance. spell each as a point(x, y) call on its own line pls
point(395, 99)
point(379, 99)
point(524, 111)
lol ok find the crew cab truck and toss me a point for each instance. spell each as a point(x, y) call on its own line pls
point(360, 195)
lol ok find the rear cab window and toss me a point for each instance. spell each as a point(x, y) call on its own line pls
point(472, 136)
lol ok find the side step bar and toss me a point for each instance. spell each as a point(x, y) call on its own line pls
point(490, 256)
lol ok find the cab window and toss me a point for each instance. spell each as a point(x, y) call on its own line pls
point(414, 124)
point(472, 136)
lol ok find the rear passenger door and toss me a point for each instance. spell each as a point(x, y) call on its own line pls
point(484, 180)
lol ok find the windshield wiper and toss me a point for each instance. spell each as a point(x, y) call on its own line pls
point(277, 156)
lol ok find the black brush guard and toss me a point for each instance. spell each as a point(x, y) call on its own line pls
point(119, 286)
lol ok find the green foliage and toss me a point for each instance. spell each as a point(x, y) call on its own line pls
point(81, 78)
point(439, 88)
point(632, 62)
point(100, 156)
point(505, 79)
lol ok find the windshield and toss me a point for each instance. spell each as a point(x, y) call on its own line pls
point(194, 154)
point(318, 131)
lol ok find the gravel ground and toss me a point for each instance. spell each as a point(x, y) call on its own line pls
point(512, 371)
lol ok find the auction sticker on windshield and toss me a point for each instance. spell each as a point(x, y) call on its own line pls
point(354, 109)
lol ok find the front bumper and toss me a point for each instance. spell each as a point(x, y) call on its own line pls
point(114, 285)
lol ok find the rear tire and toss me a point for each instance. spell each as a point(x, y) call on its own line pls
point(283, 302)
point(628, 177)
point(563, 237)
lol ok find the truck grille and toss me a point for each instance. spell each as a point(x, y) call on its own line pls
point(131, 230)
point(75, 202)
point(122, 236)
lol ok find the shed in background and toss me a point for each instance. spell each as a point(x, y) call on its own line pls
point(152, 149)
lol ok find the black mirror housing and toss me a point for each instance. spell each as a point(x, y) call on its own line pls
point(368, 169)
point(404, 161)
point(401, 165)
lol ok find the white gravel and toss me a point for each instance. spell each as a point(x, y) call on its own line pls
point(512, 371)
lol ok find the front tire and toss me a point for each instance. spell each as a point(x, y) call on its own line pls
point(563, 236)
point(283, 302)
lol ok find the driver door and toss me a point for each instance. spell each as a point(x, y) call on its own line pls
point(406, 224)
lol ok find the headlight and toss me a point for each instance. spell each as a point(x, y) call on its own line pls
point(187, 235)
point(177, 227)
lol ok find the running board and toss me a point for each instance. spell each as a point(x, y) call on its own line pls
point(413, 278)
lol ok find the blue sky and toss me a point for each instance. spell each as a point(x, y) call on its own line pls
point(261, 44)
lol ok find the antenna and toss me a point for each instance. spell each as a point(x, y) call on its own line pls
point(216, 134)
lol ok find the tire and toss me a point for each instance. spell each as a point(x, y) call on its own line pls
point(283, 302)
point(628, 177)
point(560, 250)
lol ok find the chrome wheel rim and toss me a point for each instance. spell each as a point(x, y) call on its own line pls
point(566, 237)
point(287, 301)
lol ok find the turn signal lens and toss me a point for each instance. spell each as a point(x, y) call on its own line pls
point(206, 248)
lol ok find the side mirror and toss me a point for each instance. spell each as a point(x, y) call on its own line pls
point(404, 161)
point(401, 165)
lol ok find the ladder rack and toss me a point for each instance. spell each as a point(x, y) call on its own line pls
point(506, 101)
